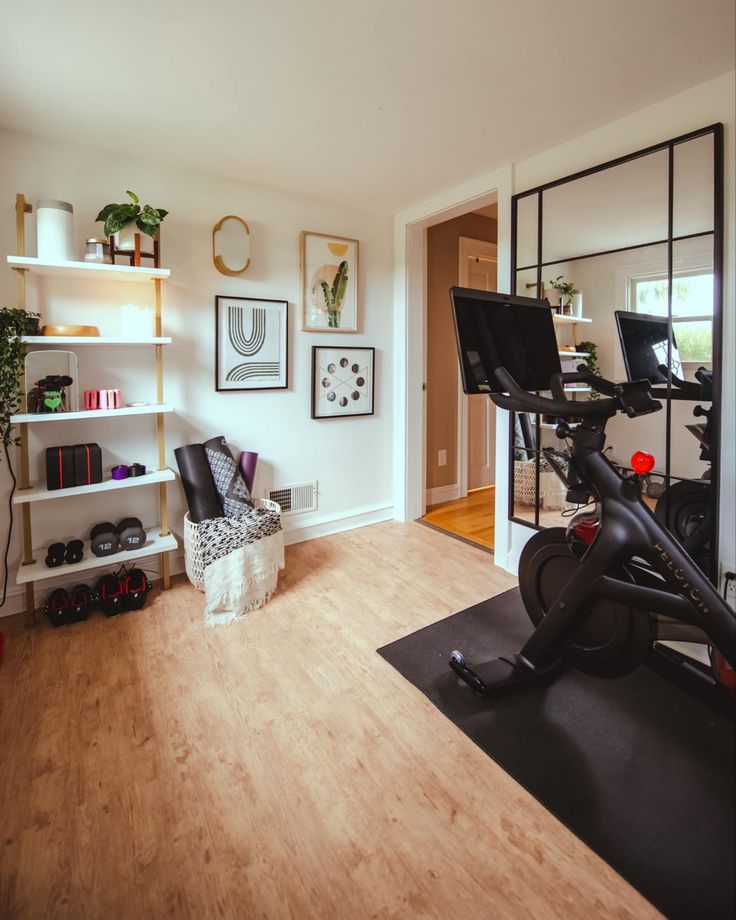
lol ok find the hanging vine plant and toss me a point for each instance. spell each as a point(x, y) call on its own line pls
point(14, 323)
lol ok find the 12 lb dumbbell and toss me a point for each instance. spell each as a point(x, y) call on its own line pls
point(104, 540)
point(131, 533)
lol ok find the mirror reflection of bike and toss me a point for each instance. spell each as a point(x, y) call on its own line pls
point(603, 591)
point(650, 351)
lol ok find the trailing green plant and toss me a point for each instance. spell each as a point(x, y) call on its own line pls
point(591, 350)
point(14, 323)
point(335, 295)
point(118, 216)
point(565, 288)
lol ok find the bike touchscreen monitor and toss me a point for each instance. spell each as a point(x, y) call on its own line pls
point(502, 330)
point(644, 338)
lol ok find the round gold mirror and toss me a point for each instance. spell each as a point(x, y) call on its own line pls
point(231, 245)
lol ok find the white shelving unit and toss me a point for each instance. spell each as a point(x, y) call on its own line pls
point(38, 571)
point(561, 320)
point(159, 540)
point(31, 418)
point(42, 494)
point(93, 340)
point(88, 270)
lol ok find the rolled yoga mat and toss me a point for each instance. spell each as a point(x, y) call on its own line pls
point(248, 463)
point(230, 485)
point(202, 498)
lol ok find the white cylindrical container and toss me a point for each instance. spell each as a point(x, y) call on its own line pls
point(55, 230)
point(577, 304)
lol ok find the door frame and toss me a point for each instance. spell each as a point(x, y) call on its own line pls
point(467, 248)
point(410, 298)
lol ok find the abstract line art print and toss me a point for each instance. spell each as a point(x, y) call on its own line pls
point(251, 343)
point(342, 381)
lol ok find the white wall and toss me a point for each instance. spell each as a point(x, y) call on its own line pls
point(351, 458)
point(707, 103)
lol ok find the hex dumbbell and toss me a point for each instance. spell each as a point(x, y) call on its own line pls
point(131, 533)
point(104, 539)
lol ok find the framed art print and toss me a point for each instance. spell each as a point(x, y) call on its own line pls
point(342, 381)
point(329, 283)
point(251, 344)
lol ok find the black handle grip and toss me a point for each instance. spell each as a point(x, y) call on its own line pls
point(519, 400)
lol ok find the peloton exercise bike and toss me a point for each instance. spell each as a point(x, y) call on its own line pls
point(685, 505)
point(602, 591)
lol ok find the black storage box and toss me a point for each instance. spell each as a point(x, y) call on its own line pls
point(87, 464)
point(60, 473)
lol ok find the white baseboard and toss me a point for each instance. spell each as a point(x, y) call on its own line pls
point(440, 494)
point(294, 532)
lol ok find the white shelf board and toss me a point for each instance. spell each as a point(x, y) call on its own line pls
point(577, 389)
point(41, 493)
point(93, 340)
point(88, 270)
point(559, 318)
point(39, 571)
point(573, 354)
point(547, 426)
point(30, 417)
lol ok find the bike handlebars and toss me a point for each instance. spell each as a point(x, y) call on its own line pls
point(633, 398)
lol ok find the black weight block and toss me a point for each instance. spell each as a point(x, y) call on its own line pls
point(87, 464)
point(60, 473)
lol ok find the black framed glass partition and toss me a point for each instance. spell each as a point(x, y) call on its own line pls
point(631, 252)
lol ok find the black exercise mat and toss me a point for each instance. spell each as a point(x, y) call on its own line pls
point(194, 471)
point(639, 769)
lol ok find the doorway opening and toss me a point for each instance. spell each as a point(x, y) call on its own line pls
point(460, 431)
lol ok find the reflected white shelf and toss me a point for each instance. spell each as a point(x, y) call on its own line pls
point(577, 389)
point(559, 318)
point(549, 427)
point(41, 493)
point(30, 417)
point(573, 354)
point(94, 340)
point(39, 571)
point(92, 270)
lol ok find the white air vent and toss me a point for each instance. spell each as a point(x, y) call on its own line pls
point(295, 498)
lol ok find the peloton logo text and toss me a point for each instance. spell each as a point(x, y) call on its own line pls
point(692, 593)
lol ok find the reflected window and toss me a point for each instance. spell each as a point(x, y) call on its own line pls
point(692, 310)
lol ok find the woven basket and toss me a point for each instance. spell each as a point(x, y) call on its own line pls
point(193, 550)
point(552, 490)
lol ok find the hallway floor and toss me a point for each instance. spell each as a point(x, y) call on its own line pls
point(470, 518)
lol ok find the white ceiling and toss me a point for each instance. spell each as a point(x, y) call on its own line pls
point(377, 104)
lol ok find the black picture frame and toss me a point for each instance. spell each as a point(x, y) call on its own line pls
point(251, 375)
point(340, 390)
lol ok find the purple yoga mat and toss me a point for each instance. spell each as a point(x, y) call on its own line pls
point(248, 463)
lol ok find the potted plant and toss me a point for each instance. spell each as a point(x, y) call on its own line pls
point(14, 323)
point(124, 220)
point(565, 289)
point(591, 350)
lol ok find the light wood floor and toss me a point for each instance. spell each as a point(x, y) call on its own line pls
point(274, 768)
point(471, 517)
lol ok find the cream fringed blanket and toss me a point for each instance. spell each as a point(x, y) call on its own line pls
point(242, 558)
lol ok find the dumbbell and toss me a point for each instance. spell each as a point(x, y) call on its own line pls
point(58, 553)
point(131, 533)
point(104, 540)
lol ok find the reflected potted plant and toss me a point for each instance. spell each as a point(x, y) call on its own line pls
point(567, 294)
point(126, 219)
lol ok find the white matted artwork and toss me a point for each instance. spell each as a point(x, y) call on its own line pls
point(251, 344)
point(329, 267)
point(342, 381)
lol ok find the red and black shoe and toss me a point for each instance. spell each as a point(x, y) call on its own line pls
point(57, 607)
point(109, 595)
point(80, 603)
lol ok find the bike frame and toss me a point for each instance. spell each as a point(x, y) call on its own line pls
point(628, 530)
